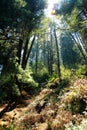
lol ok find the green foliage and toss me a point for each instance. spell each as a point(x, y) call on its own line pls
point(8, 87)
point(12, 10)
point(69, 54)
point(66, 73)
point(58, 85)
point(14, 81)
point(25, 78)
point(75, 98)
point(10, 127)
point(66, 7)
point(82, 70)
point(73, 18)
point(42, 76)
point(78, 106)
point(21, 3)
point(54, 81)
point(82, 126)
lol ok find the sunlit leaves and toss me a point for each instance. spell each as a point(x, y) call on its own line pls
point(21, 3)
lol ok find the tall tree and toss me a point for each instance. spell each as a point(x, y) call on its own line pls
point(23, 17)
point(68, 51)
point(58, 54)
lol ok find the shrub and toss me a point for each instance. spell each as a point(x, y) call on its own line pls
point(25, 78)
point(77, 106)
point(11, 83)
point(82, 126)
point(82, 70)
point(66, 73)
point(8, 87)
point(75, 98)
point(42, 76)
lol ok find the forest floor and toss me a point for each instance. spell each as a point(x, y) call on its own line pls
point(49, 110)
point(8, 117)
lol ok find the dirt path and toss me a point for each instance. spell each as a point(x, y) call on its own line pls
point(40, 112)
point(8, 117)
point(27, 104)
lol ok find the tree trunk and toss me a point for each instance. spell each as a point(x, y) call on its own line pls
point(29, 50)
point(25, 53)
point(37, 49)
point(19, 50)
point(44, 54)
point(20, 45)
point(51, 54)
point(81, 42)
point(48, 57)
point(79, 47)
point(58, 59)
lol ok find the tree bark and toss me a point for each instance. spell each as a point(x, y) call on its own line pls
point(19, 50)
point(79, 47)
point(48, 57)
point(29, 50)
point(25, 53)
point(37, 49)
point(51, 53)
point(58, 58)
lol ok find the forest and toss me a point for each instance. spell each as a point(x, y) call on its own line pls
point(43, 64)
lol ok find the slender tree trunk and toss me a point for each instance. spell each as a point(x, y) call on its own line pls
point(44, 53)
point(81, 42)
point(58, 59)
point(37, 49)
point(19, 50)
point(29, 51)
point(48, 57)
point(20, 45)
point(25, 53)
point(79, 47)
point(51, 53)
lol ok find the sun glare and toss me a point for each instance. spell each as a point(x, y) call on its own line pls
point(50, 7)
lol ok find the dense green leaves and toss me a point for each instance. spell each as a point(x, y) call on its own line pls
point(66, 7)
point(18, 20)
point(69, 53)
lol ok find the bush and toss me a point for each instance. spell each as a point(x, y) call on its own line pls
point(82, 70)
point(25, 78)
point(77, 106)
point(12, 83)
point(82, 126)
point(8, 87)
point(42, 76)
point(75, 98)
point(66, 73)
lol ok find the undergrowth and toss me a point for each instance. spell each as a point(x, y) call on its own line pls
point(62, 106)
